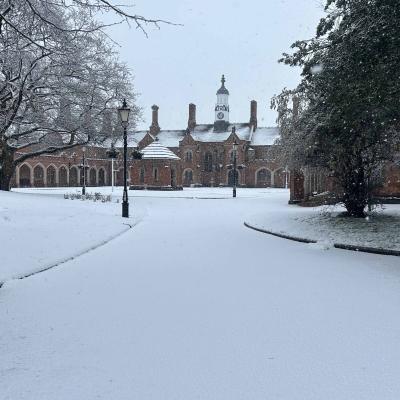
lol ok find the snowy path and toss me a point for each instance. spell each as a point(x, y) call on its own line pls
point(193, 305)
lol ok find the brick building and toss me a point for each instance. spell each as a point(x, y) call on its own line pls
point(196, 155)
point(206, 154)
point(316, 186)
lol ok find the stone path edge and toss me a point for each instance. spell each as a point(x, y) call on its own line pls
point(371, 250)
point(70, 258)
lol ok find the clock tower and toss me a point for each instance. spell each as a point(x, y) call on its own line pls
point(222, 108)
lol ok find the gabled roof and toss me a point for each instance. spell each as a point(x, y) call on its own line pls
point(205, 133)
point(156, 150)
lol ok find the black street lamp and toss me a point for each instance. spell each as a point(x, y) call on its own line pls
point(123, 113)
point(83, 167)
point(234, 146)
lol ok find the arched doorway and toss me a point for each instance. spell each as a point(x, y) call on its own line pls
point(187, 177)
point(24, 176)
point(51, 176)
point(73, 176)
point(63, 176)
point(263, 178)
point(231, 176)
point(92, 177)
point(38, 176)
point(102, 177)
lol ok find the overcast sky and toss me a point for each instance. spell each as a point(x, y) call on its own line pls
point(242, 39)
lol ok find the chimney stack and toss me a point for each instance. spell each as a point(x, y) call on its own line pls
point(192, 116)
point(253, 114)
point(154, 128)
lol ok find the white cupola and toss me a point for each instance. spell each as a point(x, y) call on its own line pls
point(222, 108)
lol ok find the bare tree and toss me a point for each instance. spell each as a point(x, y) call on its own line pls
point(56, 81)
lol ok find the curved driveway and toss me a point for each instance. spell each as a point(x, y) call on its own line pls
point(193, 305)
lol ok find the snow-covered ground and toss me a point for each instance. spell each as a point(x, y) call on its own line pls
point(326, 225)
point(192, 304)
point(38, 231)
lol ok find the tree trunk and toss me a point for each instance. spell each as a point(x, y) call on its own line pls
point(356, 189)
point(7, 168)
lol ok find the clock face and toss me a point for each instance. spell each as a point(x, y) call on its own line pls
point(220, 115)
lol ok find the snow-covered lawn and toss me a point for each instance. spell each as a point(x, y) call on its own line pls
point(38, 231)
point(190, 304)
point(200, 193)
point(326, 225)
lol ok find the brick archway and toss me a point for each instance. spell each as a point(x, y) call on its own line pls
point(38, 176)
point(25, 174)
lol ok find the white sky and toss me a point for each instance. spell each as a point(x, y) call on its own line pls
point(241, 39)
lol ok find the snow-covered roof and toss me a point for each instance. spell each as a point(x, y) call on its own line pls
point(265, 136)
point(133, 139)
point(156, 150)
point(205, 133)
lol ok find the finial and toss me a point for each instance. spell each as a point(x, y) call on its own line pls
point(223, 80)
point(233, 129)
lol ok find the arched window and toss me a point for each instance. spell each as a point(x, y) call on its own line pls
point(232, 156)
point(208, 162)
point(51, 176)
point(92, 177)
point(142, 173)
point(62, 176)
point(38, 176)
point(188, 177)
point(263, 178)
point(189, 156)
point(73, 176)
point(24, 176)
point(102, 177)
point(155, 174)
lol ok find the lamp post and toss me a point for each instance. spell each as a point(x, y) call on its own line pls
point(83, 167)
point(234, 146)
point(123, 113)
point(112, 153)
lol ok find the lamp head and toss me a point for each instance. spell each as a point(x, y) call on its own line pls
point(123, 113)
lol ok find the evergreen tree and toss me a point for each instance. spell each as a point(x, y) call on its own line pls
point(350, 96)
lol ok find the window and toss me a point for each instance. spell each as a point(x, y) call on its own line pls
point(51, 176)
point(155, 174)
point(189, 156)
point(38, 176)
point(232, 156)
point(208, 162)
point(63, 176)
